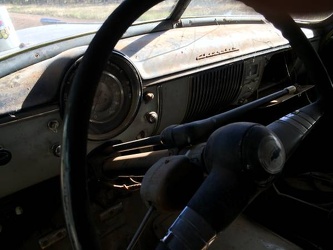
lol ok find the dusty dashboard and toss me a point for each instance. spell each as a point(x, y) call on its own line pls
point(150, 82)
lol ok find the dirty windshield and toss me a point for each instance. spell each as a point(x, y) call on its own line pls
point(25, 23)
point(27, 13)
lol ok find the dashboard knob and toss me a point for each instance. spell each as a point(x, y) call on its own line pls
point(152, 117)
point(148, 96)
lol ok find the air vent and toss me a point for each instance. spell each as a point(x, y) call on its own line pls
point(213, 90)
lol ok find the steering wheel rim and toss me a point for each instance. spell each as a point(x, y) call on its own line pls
point(80, 225)
point(74, 178)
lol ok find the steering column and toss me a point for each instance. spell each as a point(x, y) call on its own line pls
point(242, 159)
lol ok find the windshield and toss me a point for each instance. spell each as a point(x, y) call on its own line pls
point(25, 23)
point(225, 8)
point(25, 14)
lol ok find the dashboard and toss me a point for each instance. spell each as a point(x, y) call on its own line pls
point(150, 82)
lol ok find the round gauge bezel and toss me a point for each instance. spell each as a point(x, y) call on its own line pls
point(120, 73)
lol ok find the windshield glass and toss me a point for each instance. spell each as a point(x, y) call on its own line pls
point(25, 23)
point(25, 14)
point(225, 8)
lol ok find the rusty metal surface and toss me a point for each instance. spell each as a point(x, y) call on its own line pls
point(37, 84)
point(163, 53)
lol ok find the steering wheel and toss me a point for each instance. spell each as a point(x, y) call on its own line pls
point(74, 172)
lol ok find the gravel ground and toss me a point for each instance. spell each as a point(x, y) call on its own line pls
point(21, 21)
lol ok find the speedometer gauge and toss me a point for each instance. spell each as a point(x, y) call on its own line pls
point(116, 99)
point(108, 99)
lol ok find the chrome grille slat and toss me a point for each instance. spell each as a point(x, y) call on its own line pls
point(220, 86)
